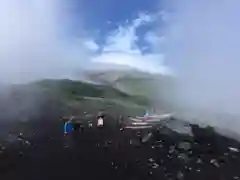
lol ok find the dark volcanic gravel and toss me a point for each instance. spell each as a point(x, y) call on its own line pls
point(113, 154)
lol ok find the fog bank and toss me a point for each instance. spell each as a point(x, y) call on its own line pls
point(35, 40)
point(202, 46)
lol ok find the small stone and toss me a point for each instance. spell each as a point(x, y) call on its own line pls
point(225, 154)
point(28, 143)
point(2, 148)
point(90, 125)
point(138, 134)
point(180, 175)
point(183, 157)
point(159, 146)
point(147, 137)
point(155, 165)
point(184, 146)
point(150, 160)
point(214, 162)
point(199, 161)
point(168, 175)
point(190, 152)
point(130, 142)
point(236, 177)
point(171, 149)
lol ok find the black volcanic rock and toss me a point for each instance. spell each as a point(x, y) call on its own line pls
point(109, 153)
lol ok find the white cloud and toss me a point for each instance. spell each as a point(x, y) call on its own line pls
point(121, 48)
point(121, 40)
point(154, 40)
point(203, 43)
point(91, 45)
point(147, 63)
point(35, 44)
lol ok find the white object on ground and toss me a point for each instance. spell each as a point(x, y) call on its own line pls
point(233, 149)
point(137, 127)
point(100, 122)
point(139, 123)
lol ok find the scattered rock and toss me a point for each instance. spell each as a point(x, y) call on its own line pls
point(214, 162)
point(158, 144)
point(184, 146)
point(151, 160)
point(180, 175)
point(114, 165)
point(27, 142)
point(188, 168)
point(147, 137)
point(150, 173)
point(233, 149)
point(225, 154)
point(90, 124)
point(171, 149)
point(138, 134)
point(2, 147)
point(236, 178)
point(155, 165)
point(198, 170)
point(130, 142)
point(169, 156)
point(183, 157)
point(199, 161)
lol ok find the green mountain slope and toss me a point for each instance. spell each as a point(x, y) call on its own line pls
point(76, 90)
point(136, 83)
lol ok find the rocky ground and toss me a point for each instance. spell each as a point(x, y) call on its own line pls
point(43, 152)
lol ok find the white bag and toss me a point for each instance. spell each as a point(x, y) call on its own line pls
point(100, 122)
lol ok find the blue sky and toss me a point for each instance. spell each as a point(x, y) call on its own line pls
point(123, 32)
point(106, 15)
point(55, 38)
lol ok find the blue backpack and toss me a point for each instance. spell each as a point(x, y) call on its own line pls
point(68, 127)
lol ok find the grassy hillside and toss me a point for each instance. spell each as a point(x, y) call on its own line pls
point(76, 90)
point(137, 86)
point(132, 82)
point(110, 76)
point(155, 87)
